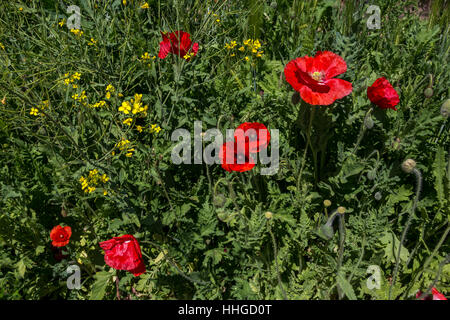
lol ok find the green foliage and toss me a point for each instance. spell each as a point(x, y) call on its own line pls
point(203, 231)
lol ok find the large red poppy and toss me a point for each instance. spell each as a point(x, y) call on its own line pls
point(383, 94)
point(313, 78)
point(179, 43)
point(124, 253)
point(60, 235)
point(231, 153)
point(256, 135)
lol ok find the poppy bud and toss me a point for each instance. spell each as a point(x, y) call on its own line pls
point(368, 122)
point(273, 5)
point(428, 92)
point(326, 203)
point(445, 109)
point(371, 174)
point(219, 200)
point(408, 165)
point(377, 196)
point(341, 210)
point(268, 215)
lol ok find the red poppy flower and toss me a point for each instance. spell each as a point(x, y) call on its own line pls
point(313, 78)
point(231, 153)
point(124, 253)
point(436, 295)
point(60, 236)
point(383, 94)
point(179, 43)
point(258, 137)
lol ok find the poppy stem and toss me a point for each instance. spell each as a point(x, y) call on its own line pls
point(275, 253)
point(362, 130)
point(308, 143)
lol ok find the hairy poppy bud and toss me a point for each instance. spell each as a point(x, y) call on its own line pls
point(327, 231)
point(219, 200)
point(428, 92)
point(268, 215)
point(273, 5)
point(445, 109)
point(368, 122)
point(408, 165)
point(341, 210)
point(377, 196)
point(326, 203)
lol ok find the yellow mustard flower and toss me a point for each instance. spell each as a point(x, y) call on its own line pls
point(125, 107)
point(128, 121)
point(34, 111)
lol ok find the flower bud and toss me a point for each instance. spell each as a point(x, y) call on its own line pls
point(445, 109)
point(327, 231)
point(219, 200)
point(341, 210)
point(273, 5)
point(428, 92)
point(377, 196)
point(268, 215)
point(408, 165)
point(326, 203)
point(368, 122)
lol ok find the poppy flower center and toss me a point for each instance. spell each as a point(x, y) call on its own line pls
point(316, 75)
point(61, 236)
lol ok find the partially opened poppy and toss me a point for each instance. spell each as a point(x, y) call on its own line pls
point(179, 43)
point(313, 78)
point(383, 94)
point(435, 295)
point(256, 135)
point(60, 236)
point(124, 253)
point(231, 154)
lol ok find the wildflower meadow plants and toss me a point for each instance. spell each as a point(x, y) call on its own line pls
point(355, 118)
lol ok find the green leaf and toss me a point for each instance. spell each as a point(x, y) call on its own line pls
point(21, 268)
point(345, 286)
point(439, 174)
point(99, 286)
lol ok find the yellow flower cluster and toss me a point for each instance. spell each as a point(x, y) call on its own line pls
point(77, 32)
point(145, 5)
point(2, 46)
point(110, 89)
point(71, 79)
point(61, 23)
point(146, 57)
point(93, 42)
point(188, 56)
point(35, 110)
point(90, 183)
point(249, 45)
point(80, 97)
point(134, 105)
point(155, 128)
point(124, 144)
point(99, 104)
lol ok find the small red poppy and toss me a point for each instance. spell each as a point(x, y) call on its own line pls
point(383, 94)
point(313, 78)
point(60, 235)
point(231, 153)
point(179, 43)
point(256, 135)
point(124, 253)
point(436, 295)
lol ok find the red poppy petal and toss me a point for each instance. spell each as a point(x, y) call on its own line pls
point(55, 232)
point(140, 269)
point(290, 72)
point(60, 243)
point(195, 48)
point(329, 63)
point(164, 48)
point(337, 89)
point(68, 230)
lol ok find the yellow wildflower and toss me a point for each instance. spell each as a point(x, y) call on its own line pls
point(125, 107)
point(61, 23)
point(128, 121)
point(145, 5)
point(34, 111)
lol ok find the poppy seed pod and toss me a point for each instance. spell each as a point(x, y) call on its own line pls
point(268, 215)
point(428, 92)
point(408, 165)
point(326, 203)
point(341, 210)
point(445, 109)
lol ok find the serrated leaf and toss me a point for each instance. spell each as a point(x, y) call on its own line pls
point(99, 286)
point(346, 287)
